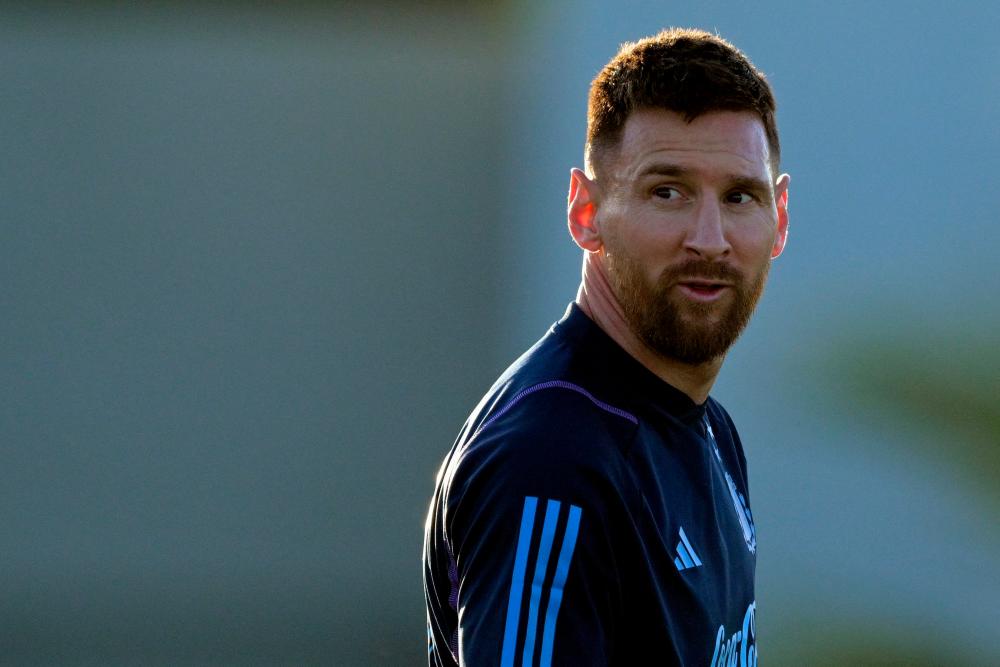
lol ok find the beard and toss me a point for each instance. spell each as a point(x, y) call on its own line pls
point(688, 331)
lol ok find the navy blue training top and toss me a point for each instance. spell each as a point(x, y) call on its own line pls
point(590, 514)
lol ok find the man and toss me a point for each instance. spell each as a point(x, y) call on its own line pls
point(594, 509)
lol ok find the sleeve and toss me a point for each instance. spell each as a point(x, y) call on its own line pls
point(534, 513)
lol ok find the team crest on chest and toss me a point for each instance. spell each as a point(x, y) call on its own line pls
point(743, 514)
point(739, 501)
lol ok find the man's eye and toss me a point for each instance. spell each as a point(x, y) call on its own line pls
point(740, 198)
point(666, 192)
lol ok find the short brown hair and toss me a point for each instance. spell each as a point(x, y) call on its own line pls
point(687, 71)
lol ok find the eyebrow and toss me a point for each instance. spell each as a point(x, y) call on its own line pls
point(663, 169)
point(751, 184)
point(737, 181)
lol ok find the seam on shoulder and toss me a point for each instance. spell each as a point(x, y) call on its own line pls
point(556, 384)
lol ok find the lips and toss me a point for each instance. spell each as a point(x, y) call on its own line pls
point(702, 289)
point(699, 287)
point(703, 284)
point(702, 281)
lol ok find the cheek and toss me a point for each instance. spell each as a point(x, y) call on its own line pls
point(652, 247)
point(646, 243)
point(754, 245)
point(643, 262)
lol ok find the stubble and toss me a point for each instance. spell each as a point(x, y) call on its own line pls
point(678, 328)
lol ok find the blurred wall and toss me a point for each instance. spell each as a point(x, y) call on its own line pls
point(249, 285)
point(258, 264)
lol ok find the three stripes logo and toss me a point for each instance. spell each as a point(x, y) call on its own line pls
point(541, 565)
point(686, 556)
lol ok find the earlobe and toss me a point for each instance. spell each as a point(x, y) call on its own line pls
point(581, 210)
point(781, 234)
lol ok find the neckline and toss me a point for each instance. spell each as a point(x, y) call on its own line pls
point(611, 362)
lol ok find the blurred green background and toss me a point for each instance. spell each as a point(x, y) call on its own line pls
point(259, 261)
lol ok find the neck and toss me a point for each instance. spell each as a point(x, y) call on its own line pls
point(596, 298)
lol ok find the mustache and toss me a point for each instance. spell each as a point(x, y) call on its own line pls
point(703, 270)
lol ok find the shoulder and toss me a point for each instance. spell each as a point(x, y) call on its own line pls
point(545, 439)
point(551, 423)
point(726, 435)
point(719, 416)
point(553, 401)
point(558, 409)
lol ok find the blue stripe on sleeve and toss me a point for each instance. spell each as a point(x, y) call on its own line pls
point(517, 581)
point(541, 565)
point(558, 582)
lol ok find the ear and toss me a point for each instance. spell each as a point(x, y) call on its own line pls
point(581, 210)
point(781, 198)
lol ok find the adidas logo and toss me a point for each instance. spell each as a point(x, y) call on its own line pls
point(686, 556)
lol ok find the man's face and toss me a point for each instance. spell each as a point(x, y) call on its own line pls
point(690, 219)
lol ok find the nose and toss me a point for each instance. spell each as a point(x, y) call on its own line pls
point(706, 235)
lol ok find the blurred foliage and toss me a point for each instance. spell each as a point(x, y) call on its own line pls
point(945, 385)
point(860, 648)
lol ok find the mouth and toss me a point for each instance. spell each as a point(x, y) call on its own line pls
point(703, 290)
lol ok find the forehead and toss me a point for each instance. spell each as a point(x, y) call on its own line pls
point(731, 141)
